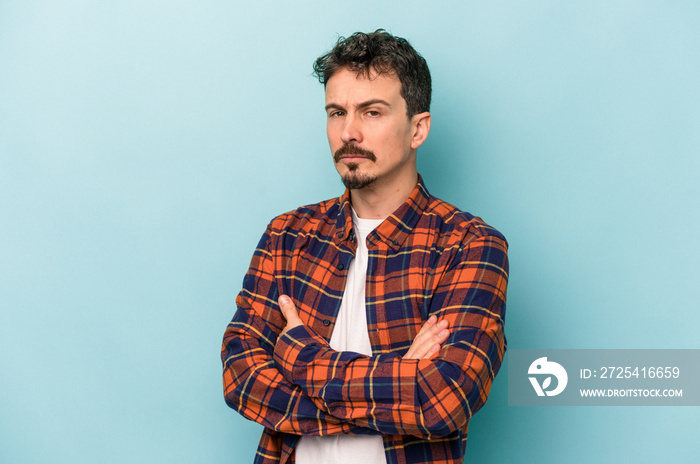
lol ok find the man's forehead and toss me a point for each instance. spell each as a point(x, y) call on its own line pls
point(349, 84)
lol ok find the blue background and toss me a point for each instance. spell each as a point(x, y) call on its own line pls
point(144, 146)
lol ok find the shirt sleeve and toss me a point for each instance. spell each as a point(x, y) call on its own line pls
point(253, 385)
point(424, 398)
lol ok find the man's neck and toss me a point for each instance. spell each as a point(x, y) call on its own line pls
point(380, 200)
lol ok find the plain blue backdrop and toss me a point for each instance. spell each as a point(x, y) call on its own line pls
point(144, 146)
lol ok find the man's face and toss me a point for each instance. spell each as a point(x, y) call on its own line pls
point(370, 135)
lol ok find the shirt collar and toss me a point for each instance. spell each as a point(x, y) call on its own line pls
point(395, 229)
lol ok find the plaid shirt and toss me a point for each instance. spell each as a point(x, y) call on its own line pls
point(426, 258)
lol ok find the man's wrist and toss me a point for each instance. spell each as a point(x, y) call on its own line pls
point(298, 342)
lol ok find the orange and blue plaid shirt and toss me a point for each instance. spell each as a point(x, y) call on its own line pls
point(426, 258)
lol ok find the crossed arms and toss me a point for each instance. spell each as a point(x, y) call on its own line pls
point(282, 374)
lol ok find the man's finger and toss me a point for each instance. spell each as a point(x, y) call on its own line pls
point(432, 320)
point(432, 351)
point(430, 330)
point(289, 311)
point(428, 341)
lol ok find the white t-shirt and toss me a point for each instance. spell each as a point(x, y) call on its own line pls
point(349, 334)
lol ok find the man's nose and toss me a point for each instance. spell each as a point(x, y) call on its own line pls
point(351, 130)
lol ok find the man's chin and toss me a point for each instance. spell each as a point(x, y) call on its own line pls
point(355, 182)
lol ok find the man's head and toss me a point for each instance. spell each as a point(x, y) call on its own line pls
point(381, 53)
point(377, 102)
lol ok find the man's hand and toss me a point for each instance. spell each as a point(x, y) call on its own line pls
point(428, 341)
point(425, 345)
point(289, 311)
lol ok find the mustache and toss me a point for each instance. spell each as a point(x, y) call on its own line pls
point(348, 149)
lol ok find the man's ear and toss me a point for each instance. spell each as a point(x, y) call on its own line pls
point(421, 128)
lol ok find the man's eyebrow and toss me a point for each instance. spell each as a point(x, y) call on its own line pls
point(334, 106)
point(376, 101)
point(365, 104)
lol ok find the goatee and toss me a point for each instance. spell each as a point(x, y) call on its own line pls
point(354, 180)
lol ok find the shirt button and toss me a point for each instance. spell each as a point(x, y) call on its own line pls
point(340, 234)
point(341, 266)
point(326, 322)
point(395, 242)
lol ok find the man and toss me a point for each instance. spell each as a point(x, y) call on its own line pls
point(370, 326)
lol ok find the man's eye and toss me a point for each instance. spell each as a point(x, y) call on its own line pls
point(373, 113)
point(336, 114)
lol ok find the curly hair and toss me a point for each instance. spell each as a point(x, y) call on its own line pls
point(381, 52)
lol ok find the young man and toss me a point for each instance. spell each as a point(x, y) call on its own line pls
point(370, 326)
